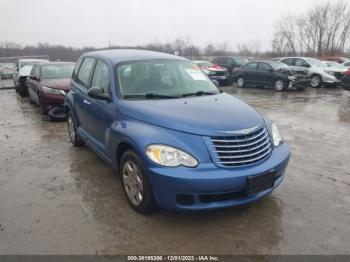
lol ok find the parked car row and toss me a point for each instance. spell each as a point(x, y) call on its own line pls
point(279, 73)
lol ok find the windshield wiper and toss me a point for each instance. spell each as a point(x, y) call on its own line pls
point(150, 95)
point(199, 93)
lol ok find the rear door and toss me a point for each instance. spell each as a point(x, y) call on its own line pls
point(80, 84)
point(265, 74)
point(251, 73)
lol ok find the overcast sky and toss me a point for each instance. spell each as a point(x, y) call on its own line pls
point(130, 22)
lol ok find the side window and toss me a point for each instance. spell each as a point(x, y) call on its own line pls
point(251, 66)
point(85, 71)
point(264, 67)
point(32, 72)
point(76, 69)
point(101, 76)
point(288, 61)
point(37, 71)
point(230, 62)
point(301, 62)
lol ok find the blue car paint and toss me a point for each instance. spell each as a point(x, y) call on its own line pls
point(182, 123)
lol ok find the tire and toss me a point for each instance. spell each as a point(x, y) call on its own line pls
point(240, 82)
point(136, 185)
point(22, 90)
point(72, 131)
point(315, 81)
point(279, 85)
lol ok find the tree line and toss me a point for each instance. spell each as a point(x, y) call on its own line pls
point(322, 30)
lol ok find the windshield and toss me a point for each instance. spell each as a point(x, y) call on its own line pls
point(315, 62)
point(170, 78)
point(241, 61)
point(204, 64)
point(277, 65)
point(334, 64)
point(57, 71)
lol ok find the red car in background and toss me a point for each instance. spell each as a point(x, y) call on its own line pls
point(214, 71)
point(337, 59)
point(48, 84)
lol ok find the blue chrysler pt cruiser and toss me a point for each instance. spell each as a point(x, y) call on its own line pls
point(176, 140)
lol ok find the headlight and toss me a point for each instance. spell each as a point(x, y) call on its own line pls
point(329, 72)
point(276, 135)
point(170, 156)
point(53, 91)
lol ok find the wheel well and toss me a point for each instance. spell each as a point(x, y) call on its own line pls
point(121, 149)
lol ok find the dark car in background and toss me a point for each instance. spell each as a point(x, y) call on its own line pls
point(48, 84)
point(214, 71)
point(230, 62)
point(269, 74)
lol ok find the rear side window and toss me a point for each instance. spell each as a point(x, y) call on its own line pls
point(85, 71)
point(264, 67)
point(76, 69)
point(288, 61)
point(251, 66)
point(101, 76)
point(301, 62)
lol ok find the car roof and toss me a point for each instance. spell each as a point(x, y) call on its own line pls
point(123, 55)
point(29, 60)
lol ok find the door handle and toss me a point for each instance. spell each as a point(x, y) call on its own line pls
point(73, 92)
point(87, 102)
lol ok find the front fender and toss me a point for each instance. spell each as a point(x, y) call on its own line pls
point(139, 135)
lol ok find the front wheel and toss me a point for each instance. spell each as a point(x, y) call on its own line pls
point(137, 188)
point(72, 131)
point(280, 85)
point(240, 82)
point(316, 81)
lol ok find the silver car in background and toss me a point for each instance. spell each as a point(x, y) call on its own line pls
point(318, 71)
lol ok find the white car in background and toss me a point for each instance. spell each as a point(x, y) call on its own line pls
point(21, 73)
point(318, 71)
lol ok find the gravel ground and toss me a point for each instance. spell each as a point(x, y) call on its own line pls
point(56, 199)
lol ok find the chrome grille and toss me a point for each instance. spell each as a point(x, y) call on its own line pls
point(240, 150)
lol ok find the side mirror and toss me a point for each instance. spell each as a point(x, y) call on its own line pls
point(33, 77)
point(99, 94)
point(216, 83)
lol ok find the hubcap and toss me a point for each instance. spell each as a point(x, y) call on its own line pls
point(71, 129)
point(132, 181)
point(279, 85)
point(240, 82)
point(315, 81)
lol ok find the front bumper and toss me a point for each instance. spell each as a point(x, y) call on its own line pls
point(330, 81)
point(50, 101)
point(209, 187)
point(300, 83)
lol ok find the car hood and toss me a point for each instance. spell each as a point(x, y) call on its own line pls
point(335, 69)
point(205, 115)
point(59, 83)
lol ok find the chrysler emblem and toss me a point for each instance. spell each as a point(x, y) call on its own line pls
point(242, 131)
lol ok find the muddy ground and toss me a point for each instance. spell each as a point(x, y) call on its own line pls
point(56, 199)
